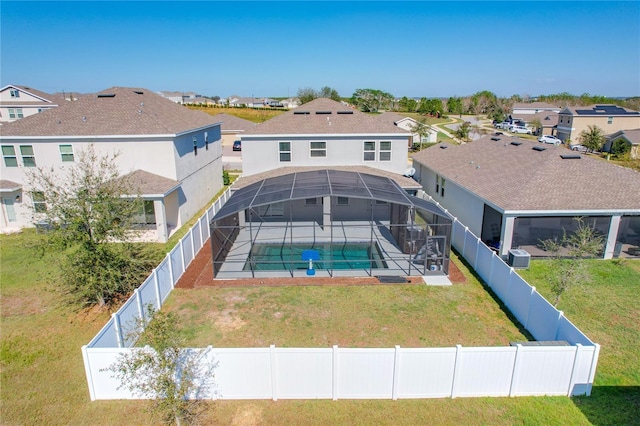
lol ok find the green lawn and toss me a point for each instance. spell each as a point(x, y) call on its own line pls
point(43, 379)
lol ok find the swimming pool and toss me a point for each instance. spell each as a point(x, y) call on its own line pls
point(278, 257)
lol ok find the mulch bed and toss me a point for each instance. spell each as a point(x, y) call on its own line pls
point(199, 273)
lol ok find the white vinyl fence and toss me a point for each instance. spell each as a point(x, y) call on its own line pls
point(372, 373)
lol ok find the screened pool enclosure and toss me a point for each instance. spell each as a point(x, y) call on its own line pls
point(328, 223)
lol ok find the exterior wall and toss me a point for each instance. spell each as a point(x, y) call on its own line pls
point(261, 154)
point(26, 102)
point(517, 111)
point(570, 126)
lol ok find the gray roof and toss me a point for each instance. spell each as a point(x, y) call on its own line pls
point(232, 123)
point(9, 186)
point(321, 183)
point(517, 177)
point(547, 118)
point(402, 181)
point(151, 184)
point(115, 111)
point(633, 136)
point(393, 117)
point(324, 116)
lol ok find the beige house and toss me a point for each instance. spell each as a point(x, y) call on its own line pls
point(17, 102)
point(572, 121)
point(632, 137)
point(528, 108)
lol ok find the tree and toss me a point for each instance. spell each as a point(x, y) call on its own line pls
point(567, 257)
point(537, 125)
point(407, 105)
point(307, 94)
point(422, 129)
point(328, 92)
point(175, 378)
point(592, 138)
point(86, 209)
point(620, 147)
point(372, 100)
point(462, 132)
point(454, 105)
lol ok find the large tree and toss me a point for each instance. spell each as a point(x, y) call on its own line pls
point(372, 100)
point(307, 94)
point(592, 138)
point(86, 208)
point(329, 92)
point(454, 105)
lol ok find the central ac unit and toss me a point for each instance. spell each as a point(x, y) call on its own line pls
point(519, 258)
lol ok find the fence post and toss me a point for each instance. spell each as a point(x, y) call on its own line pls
point(464, 242)
point(592, 370)
point(170, 270)
point(396, 373)
point(456, 366)
point(136, 292)
point(516, 369)
point(87, 370)
point(533, 290)
point(182, 255)
point(116, 326)
point(560, 315)
point(157, 286)
point(334, 382)
point(274, 372)
point(193, 245)
point(572, 380)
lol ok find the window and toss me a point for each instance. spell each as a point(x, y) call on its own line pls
point(275, 209)
point(15, 93)
point(385, 151)
point(39, 205)
point(442, 187)
point(12, 113)
point(369, 151)
point(318, 149)
point(610, 120)
point(195, 145)
point(9, 155)
point(437, 183)
point(285, 151)
point(380, 202)
point(28, 159)
point(146, 214)
point(343, 201)
point(15, 113)
point(311, 201)
point(206, 141)
point(66, 152)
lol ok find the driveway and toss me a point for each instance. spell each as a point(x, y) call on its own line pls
point(231, 160)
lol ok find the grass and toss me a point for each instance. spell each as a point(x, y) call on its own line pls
point(257, 115)
point(43, 379)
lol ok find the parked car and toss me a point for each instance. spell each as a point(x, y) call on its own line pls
point(237, 146)
point(578, 147)
point(549, 139)
point(504, 125)
point(519, 129)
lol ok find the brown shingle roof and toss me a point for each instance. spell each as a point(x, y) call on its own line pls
point(533, 105)
point(129, 112)
point(150, 183)
point(633, 135)
point(520, 178)
point(8, 186)
point(331, 120)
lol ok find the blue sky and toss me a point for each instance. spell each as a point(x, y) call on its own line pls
point(274, 48)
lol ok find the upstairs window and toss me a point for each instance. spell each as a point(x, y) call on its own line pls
point(28, 158)
point(9, 155)
point(15, 93)
point(610, 120)
point(369, 151)
point(318, 149)
point(285, 151)
point(385, 151)
point(437, 184)
point(66, 152)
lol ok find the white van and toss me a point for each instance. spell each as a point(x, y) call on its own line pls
point(519, 129)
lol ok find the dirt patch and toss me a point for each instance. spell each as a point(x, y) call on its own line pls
point(248, 415)
point(21, 305)
point(226, 321)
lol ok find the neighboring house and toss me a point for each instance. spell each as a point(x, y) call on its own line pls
point(233, 127)
point(632, 137)
point(174, 153)
point(573, 121)
point(548, 120)
point(408, 124)
point(290, 103)
point(17, 102)
point(528, 108)
point(515, 193)
point(182, 97)
point(325, 133)
point(172, 96)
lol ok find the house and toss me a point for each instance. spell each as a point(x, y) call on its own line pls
point(547, 119)
point(17, 102)
point(174, 153)
point(326, 133)
point(572, 121)
point(290, 103)
point(528, 108)
point(631, 137)
point(408, 124)
point(515, 193)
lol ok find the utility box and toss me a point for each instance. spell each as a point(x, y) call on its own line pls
point(519, 259)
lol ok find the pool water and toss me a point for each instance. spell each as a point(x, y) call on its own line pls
point(276, 257)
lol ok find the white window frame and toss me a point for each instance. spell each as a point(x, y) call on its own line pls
point(271, 210)
point(38, 201)
point(384, 151)
point(319, 152)
point(66, 157)
point(610, 120)
point(15, 93)
point(437, 184)
point(281, 152)
point(10, 156)
point(28, 160)
point(366, 151)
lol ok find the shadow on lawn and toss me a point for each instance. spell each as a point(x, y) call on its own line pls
point(611, 405)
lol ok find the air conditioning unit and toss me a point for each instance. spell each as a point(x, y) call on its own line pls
point(519, 258)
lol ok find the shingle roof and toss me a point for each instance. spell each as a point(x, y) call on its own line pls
point(9, 186)
point(633, 136)
point(521, 178)
point(150, 183)
point(129, 111)
point(547, 118)
point(392, 117)
point(231, 122)
point(403, 181)
point(324, 116)
point(48, 99)
point(533, 105)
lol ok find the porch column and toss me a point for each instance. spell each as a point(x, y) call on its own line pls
point(508, 223)
point(326, 211)
point(614, 227)
point(161, 220)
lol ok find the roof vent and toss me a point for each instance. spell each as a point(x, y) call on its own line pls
point(443, 147)
point(516, 143)
point(570, 156)
point(495, 139)
point(84, 118)
point(323, 112)
point(301, 112)
point(106, 95)
point(138, 92)
point(345, 112)
point(538, 148)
